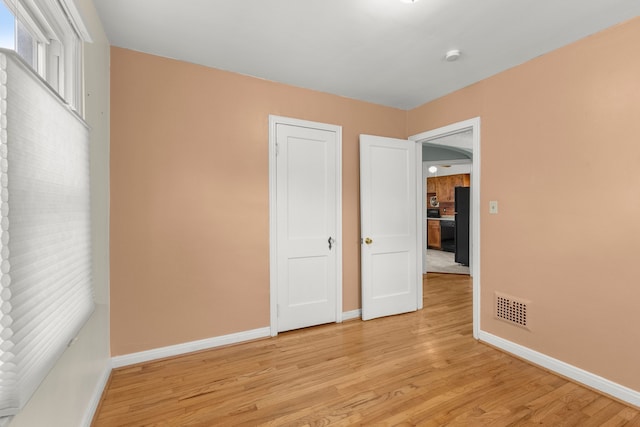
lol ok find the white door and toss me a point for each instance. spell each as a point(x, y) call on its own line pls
point(307, 224)
point(388, 226)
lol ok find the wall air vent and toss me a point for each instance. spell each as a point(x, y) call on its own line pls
point(512, 310)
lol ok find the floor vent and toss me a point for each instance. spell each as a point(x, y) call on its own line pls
point(512, 310)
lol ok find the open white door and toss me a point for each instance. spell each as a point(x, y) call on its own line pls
point(388, 226)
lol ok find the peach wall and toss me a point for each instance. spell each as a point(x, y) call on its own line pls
point(547, 127)
point(189, 196)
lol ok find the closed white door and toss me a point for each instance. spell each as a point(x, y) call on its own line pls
point(307, 241)
point(388, 226)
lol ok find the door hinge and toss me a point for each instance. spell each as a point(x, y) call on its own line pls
point(277, 149)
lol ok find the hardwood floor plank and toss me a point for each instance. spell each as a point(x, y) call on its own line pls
point(421, 368)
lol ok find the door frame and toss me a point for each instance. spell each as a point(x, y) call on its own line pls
point(431, 137)
point(273, 255)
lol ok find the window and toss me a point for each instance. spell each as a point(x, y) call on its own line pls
point(26, 45)
point(48, 36)
point(7, 28)
point(45, 251)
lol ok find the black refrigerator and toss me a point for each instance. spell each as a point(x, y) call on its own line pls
point(462, 209)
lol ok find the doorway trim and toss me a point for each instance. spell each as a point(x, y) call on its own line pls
point(273, 255)
point(431, 137)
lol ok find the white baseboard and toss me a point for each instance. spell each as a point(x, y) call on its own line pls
point(179, 349)
point(96, 396)
point(189, 347)
point(579, 375)
point(353, 314)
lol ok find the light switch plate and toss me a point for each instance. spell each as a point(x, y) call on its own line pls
point(493, 206)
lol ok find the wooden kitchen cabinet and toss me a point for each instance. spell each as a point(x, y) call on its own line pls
point(431, 185)
point(445, 189)
point(433, 234)
point(444, 186)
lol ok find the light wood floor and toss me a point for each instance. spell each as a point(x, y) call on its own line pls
point(421, 368)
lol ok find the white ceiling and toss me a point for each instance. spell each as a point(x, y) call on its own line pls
point(445, 169)
point(460, 140)
point(382, 51)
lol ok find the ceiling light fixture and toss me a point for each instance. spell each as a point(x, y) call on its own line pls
point(409, 1)
point(452, 55)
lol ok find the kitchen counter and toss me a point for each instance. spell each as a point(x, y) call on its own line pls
point(444, 218)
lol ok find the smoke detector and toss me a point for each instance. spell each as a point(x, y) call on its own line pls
point(452, 55)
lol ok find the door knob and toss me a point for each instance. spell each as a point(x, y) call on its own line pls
point(368, 241)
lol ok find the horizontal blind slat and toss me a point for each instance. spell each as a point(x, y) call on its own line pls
point(45, 267)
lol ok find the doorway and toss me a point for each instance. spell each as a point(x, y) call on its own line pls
point(437, 137)
point(443, 170)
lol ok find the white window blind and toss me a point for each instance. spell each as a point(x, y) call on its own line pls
point(45, 270)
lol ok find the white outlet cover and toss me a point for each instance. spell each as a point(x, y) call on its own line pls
point(493, 207)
